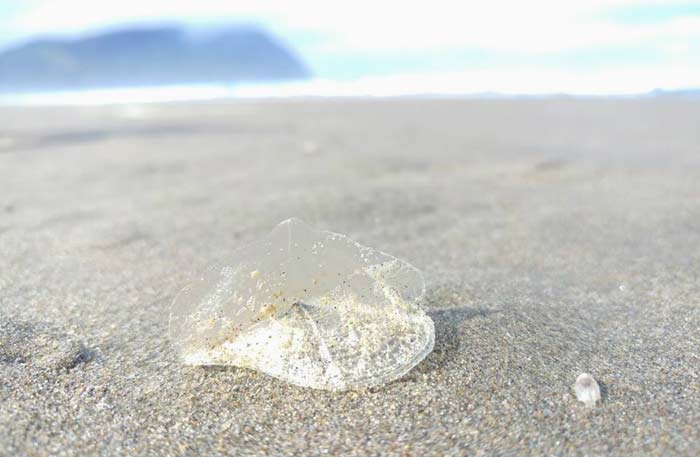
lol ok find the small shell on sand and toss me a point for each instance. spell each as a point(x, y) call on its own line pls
point(310, 307)
point(587, 389)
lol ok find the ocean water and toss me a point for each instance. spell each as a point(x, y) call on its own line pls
point(368, 87)
point(442, 84)
point(123, 95)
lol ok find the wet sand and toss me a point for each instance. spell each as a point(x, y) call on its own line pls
point(557, 236)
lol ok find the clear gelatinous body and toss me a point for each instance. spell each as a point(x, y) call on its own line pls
point(310, 307)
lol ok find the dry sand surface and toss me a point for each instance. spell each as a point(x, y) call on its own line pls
point(557, 236)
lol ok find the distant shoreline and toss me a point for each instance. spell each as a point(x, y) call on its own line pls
point(315, 88)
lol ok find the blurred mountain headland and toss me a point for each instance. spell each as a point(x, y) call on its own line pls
point(149, 56)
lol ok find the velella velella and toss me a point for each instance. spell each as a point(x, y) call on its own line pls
point(310, 307)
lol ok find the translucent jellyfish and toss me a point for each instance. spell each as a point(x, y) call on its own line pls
point(310, 307)
point(587, 389)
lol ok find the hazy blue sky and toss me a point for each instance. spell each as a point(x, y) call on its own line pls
point(603, 45)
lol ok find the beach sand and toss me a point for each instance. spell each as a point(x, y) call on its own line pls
point(557, 236)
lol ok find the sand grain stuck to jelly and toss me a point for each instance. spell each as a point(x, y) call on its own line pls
point(310, 307)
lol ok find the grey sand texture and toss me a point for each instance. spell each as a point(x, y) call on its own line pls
point(557, 236)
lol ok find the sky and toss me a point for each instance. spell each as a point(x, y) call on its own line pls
point(580, 46)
